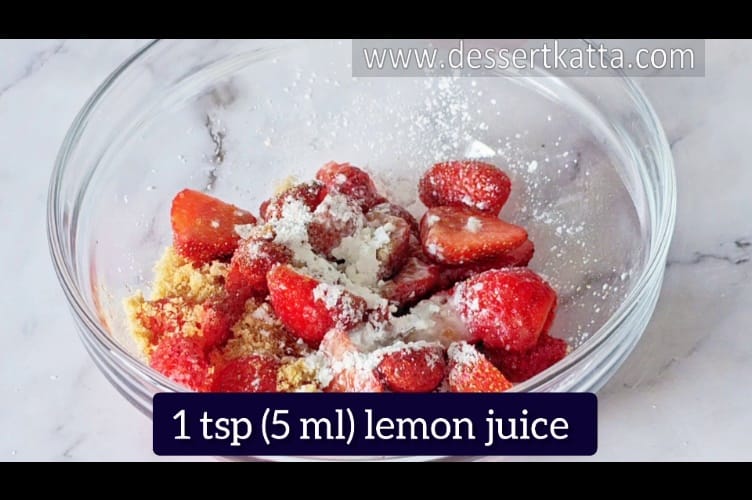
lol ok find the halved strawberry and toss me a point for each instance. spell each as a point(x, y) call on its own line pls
point(459, 235)
point(470, 371)
point(520, 366)
point(413, 369)
point(415, 281)
point(470, 183)
point(505, 308)
point(183, 360)
point(350, 181)
point(336, 218)
point(388, 208)
point(254, 373)
point(309, 308)
point(203, 227)
point(517, 257)
point(393, 254)
point(310, 193)
point(254, 258)
point(347, 374)
point(216, 317)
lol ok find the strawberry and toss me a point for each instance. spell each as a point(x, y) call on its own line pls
point(458, 236)
point(203, 227)
point(254, 258)
point(310, 193)
point(518, 257)
point(474, 184)
point(254, 373)
point(309, 308)
point(183, 360)
point(470, 371)
point(350, 181)
point(388, 208)
point(393, 254)
point(161, 317)
point(520, 366)
point(336, 218)
point(413, 283)
point(342, 355)
point(217, 316)
point(419, 369)
point(505, 308)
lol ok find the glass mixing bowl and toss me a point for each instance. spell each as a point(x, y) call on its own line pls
point(592, 175)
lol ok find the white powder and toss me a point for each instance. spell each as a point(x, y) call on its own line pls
point(432, 219)
point(291, 230)
point(328, 294)
point(215, 224)
point(463, 354)
point(245, 231)
point(360, 253)
point(435, 250)
point(473, 224)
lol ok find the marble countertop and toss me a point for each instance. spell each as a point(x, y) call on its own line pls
point(683, 394)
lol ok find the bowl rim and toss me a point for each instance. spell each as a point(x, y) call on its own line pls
point(663, 230)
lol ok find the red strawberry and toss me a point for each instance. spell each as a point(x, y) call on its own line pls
point(392, 255)
point(336, 218)
point(518, 257)
point(254, 373)
point(161, 317)
point(217, 316)
point(347, 377)
point(309, 308)
point(203, 227)
point(310, 193)
point(388, 208)
point(469, 183)
point(470, 371)
point(505, 308)
point(249, 265)
point(413, 283)
point(520, 366)
point(183, 360)
point(458, 236)
point(419, 369)
point(350, 181)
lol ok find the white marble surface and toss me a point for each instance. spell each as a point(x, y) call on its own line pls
point(684, 393)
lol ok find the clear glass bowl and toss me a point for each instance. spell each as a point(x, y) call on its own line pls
point(592, 173)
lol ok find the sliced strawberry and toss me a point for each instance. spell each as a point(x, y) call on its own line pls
point(254, 373)
point(415, 281)
point(310, 193)
point(518, 257)
point(393, 254)
point(350, 181)
point(343, 357)
point(254, 258)
point(470, 371)
point(162, 317)
point(217, 316)
point(203, 227)
point(413, 369)
point(458, 236)
point(183, 360)
point(336, 218)
point(388, 208)
point(505, 308)
point(474, 184)
point(520, 366)
point(309, 308)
